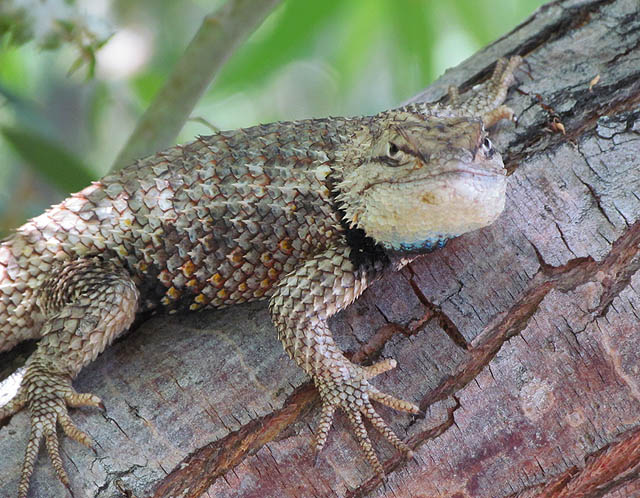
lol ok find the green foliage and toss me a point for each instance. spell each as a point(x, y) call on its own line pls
point(14, 26)
point(50, 159)
point(31, 139)
point(52, 23)
point(404, 33)
point(282, 39)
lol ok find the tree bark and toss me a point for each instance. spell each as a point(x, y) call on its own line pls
point(520, 341)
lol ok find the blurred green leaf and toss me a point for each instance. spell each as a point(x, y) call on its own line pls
point(13, 70)
point(14, 26)
point(414, 37)
point(275, 45)
point(357, 39)
point(476, 19)
point(147, 84)
point(483, 19)
point(62, 168)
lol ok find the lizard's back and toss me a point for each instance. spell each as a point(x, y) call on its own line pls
point(208, 224)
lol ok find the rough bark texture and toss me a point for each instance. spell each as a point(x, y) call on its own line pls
point(521, 341)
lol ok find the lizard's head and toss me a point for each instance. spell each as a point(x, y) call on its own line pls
point(416, 179)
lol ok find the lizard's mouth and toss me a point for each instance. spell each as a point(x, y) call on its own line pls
point(478, 171)
point(442, 175)
point(467, 171)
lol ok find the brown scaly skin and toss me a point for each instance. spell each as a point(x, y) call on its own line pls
point(304, 213)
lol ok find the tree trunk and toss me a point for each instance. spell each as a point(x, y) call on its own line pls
point(520, 341)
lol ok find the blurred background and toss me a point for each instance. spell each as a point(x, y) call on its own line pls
point(75, 75)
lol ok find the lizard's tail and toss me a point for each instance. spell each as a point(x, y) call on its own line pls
point(17, 317)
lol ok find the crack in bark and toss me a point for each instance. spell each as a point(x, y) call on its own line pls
point(201, 469)
point(445, 323)
point(605, 470)
point(198, 471)
point(596, 197)
point(622, 96)
point(614, 272)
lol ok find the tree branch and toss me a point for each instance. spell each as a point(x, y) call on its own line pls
point(218, 37)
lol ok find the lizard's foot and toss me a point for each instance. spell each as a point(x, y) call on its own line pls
point(348, 387)
point(501, 79)
point(47, 396)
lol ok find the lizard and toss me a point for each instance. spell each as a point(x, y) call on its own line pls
point(306, 214)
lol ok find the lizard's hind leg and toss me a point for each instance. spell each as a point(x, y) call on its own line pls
point(86, 304)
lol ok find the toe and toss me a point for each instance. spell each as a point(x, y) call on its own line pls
point(381, 426)
point(378, 368)
point(362, 437)
point(16, 404)
point(390, 401)
point(72, 431)
point(326, 419)
point(53, 449)
point(31, 453)
point(76, 399)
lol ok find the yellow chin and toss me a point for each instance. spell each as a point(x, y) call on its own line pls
point(445, 208)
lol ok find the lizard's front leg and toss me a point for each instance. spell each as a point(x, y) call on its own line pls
point(300, 307)
point(86, 304)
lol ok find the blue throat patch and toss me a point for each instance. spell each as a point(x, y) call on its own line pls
point(427, 245)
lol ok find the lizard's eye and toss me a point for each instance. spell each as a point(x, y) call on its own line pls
point(392, 155)
point(392, 150)
point(487, 147)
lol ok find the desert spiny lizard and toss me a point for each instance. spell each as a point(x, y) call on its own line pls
point(305, 214)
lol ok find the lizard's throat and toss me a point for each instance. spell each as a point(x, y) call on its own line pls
point(418, 219)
